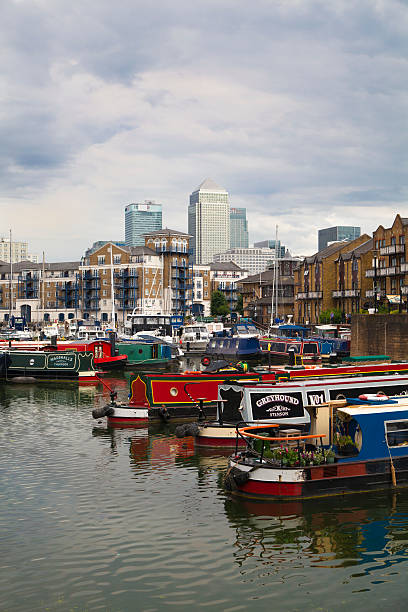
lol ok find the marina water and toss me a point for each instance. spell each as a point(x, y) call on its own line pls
point(136, 519)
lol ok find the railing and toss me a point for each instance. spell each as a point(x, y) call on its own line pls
point(392, 249)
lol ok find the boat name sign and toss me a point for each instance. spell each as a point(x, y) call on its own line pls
point(277, 405)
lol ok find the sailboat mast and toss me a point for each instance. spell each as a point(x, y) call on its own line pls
point(11, 281)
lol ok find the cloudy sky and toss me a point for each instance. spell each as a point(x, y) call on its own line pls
point(297, 107)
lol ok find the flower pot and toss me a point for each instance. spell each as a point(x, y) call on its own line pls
point(349, 449)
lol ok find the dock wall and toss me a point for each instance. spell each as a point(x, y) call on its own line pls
point(380, 335)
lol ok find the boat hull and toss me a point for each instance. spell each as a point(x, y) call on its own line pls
point(320, 481)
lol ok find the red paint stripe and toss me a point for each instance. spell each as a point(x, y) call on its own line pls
point(282, 489)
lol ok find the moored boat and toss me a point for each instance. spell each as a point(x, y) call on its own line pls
point(178, 395)
point(291, 402)
point(280, 467)
point(74, 366)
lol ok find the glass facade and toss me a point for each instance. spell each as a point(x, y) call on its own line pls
point(338, 233)
point(141, 219)
point(238, 228)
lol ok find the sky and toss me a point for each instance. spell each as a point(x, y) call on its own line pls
point(297, 107)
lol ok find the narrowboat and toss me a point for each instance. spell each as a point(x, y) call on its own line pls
point(291, 401)
point(279, 466)
point(233, 348)
point(186, 395)
point(74, 366)
point(104, 352)
point(139, 353)
point(182, 396)
point(283, 350)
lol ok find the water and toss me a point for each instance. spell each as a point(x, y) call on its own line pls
point(136, 519)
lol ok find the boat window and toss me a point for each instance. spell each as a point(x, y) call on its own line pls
point(294, 347)
point(397, 433)
point(309, 347)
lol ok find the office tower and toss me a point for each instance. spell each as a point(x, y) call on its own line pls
point(238, 228)
point(270, 244)
point(208, 221)
point(141, 219)
point(339, 233)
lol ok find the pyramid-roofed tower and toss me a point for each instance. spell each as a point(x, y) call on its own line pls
point(208, 221)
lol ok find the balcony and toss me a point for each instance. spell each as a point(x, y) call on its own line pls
point(392, 249)
point(390, 271)
point(404, 267)
point(352, 293)
point(301, 296)
point(370, 293)
point(315, 295)
point(337, 294)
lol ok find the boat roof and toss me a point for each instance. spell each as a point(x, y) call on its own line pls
point(377, 409)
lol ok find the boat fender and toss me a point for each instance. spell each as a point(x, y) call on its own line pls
point(102, 411)
point(164, 413)
point(235, 478)
point(180, 431)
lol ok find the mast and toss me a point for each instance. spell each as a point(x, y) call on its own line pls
point(11, 282)
point(112, 289)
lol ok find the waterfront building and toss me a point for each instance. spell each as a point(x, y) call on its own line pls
point(173, 247)
point(252, 259)
point(47, 292)
point(388, 269)
point(339, 233)
point(139, 219)
point(238, 228)
point(19, 251)
point(272, 244)
point(269, 294)
point(316, 281)
point(225, 277)
point(208, 221)
point(353, 289)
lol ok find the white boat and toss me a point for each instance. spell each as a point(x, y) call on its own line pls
point(195, 337)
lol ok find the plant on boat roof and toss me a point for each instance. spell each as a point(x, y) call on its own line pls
point(343, 441)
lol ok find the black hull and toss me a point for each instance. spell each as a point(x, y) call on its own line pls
point(186, 413)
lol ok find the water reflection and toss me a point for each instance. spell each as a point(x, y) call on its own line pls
point(369, 531)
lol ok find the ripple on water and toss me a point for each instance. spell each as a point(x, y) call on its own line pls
point(97, 519)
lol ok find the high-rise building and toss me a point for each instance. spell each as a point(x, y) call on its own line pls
point(339, 233)
point(141, 219)
point(252, 259)
point(272, 244)
point(208, 221)
point(19, 251)
point(238, 228)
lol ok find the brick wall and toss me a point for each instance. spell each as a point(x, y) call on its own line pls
point(380, 335)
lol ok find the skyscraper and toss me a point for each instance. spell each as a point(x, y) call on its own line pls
point(339, 233)
point(208, 221)
point(238, 228)
point(141, 219)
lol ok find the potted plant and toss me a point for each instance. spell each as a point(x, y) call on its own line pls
point(330, 455)
point(345, 445)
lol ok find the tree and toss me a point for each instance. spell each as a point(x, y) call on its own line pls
point(240, 306)
point(219, 305)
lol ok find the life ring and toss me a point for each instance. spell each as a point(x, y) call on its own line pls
point(205, 360)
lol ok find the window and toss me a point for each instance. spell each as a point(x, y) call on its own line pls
point(101, 260)
point(116, 259)
point(393, 240)
point(397, 433)
point(402, 239)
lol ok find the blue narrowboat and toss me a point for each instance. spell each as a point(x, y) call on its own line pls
point(369, 452)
